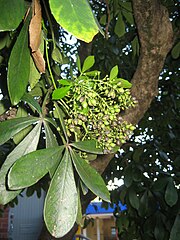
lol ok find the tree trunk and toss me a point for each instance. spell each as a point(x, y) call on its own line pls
point(156, 39)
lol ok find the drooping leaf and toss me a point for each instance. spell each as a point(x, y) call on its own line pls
point(175, 231)
point(113, 73)
point(19, 65)
point(61, 203)
point(27, 97)
point(88, 146)
point(120, 26)
point(35, 26)
point(171, 195)
point(28, 145)
point(59, 93)
point(10, 127)
point(61, 119)
point(39, 61)
point(81, 22)
point(90, 177)
point(133, 199)
point(12, 12)
point(88, 63)
point(31, 167)
point(21, 112)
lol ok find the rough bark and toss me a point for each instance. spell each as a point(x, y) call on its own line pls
point(156, 39)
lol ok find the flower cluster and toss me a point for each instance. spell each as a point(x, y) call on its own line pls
point(95, 107)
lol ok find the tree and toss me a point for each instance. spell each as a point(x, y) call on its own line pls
point(47, 103)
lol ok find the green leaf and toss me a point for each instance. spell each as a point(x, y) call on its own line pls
point(81, 22)
point(120, 26)
point(28, 145)
point(10, 127)
point(176, 51)
point(56, 55)
point(133, 199)
point(61, 119)
point(21, 112)
point(90, 177)
point(175, 231)
point(19, 66)
point(113, 73)
point(129, 16)
point(125, 83)
point(78, 63)
point(88, 146)
point(27, 97)
point(171, 195)
point(65, 82)
point(51, 142)
point(59, 93)
point(12, 12)
point(61, 203)
point(128, 176)
point(34, 74)
point(88, 63)
point(29, 169)
point(79, 213)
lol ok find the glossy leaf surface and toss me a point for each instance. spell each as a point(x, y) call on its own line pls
point(87, 173)
point(76, 17)
point(12, 12)
point(171, 195)
point(87, 146)
point(19, 66)
point(61, 204)
point(10, 127)
point(28, 145)
point(34, 166)
point(88, 63)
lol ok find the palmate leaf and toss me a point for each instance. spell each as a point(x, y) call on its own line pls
point(90, 177)
point(12, 12)
point(89, 146)
point(10, 127)
point(76, 17)
point(30, 168)
point(61, 203)
point(19, 65)
point(28, 145)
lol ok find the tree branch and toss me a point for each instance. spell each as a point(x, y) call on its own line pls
point(156, 39)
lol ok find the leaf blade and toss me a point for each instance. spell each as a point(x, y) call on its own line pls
point(58, 217)
point(28, 145)
point(19, 66)
point(87, 174)
point(88, 146)
point(34, 166)
point(83, 26)
point(10, 127)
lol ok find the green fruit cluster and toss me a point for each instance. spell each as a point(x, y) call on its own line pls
point(94, 111)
